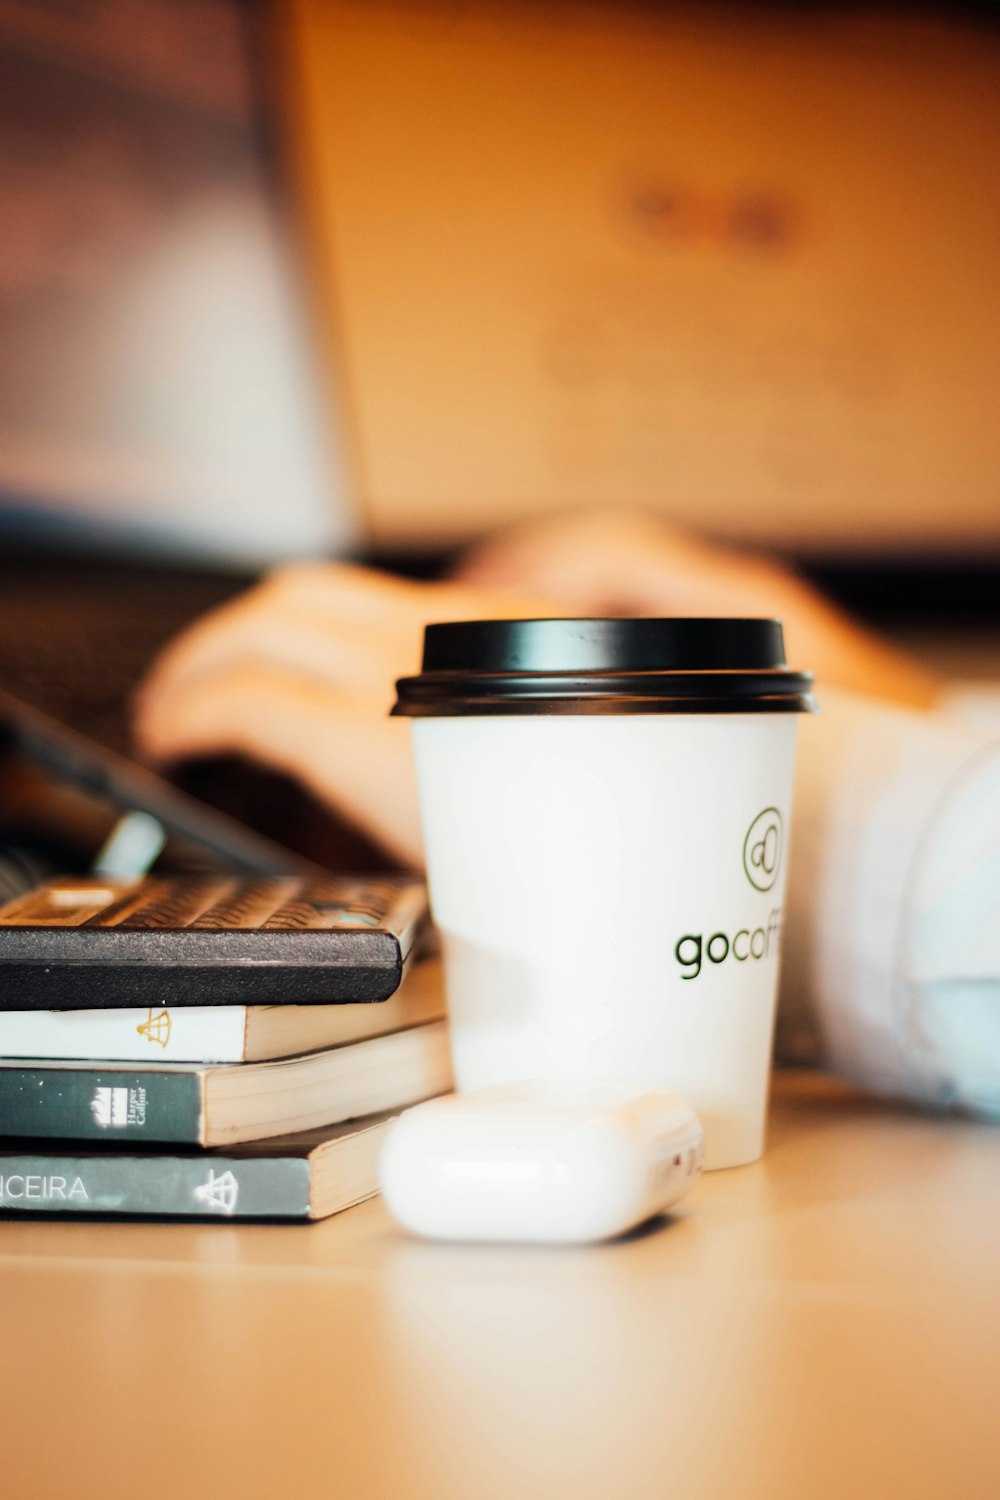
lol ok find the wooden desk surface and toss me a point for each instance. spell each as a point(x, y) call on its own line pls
point(824, 1324)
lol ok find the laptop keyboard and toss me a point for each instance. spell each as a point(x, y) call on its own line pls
point(77, 642)
point(78, 649)
point(86, 682)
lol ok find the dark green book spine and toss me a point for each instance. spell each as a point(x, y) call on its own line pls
point(155, 1185)
point(95, 1104)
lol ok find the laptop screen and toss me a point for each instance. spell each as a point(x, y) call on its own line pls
point(734, 263)
point(157, 392)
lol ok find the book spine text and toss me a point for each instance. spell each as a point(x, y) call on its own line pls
point(215, 1187)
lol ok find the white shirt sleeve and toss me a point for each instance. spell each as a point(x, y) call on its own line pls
point(975, 703)
point(892, 971)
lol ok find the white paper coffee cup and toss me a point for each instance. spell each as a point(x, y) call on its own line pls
point(606, 816)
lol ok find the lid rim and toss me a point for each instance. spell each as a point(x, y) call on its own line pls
point(604, 665)
point(608, 706)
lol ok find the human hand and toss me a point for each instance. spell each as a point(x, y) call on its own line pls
point(634, 563)
point(298, 673)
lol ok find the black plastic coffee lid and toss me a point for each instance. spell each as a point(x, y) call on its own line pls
point(604, 666)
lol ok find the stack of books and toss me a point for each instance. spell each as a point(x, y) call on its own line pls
point(222, 1111)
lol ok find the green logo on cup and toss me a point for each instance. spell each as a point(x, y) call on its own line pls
point(762, 849)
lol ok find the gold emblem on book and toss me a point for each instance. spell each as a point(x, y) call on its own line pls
point(156, 1027)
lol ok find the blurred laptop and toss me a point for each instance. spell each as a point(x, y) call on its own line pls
point(735, 262)
point(728, 262)
point(164, 431)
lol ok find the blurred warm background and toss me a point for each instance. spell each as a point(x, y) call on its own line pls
point(370, 276)
point(733, 263)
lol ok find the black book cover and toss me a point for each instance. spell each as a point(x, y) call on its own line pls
point(91, 943)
